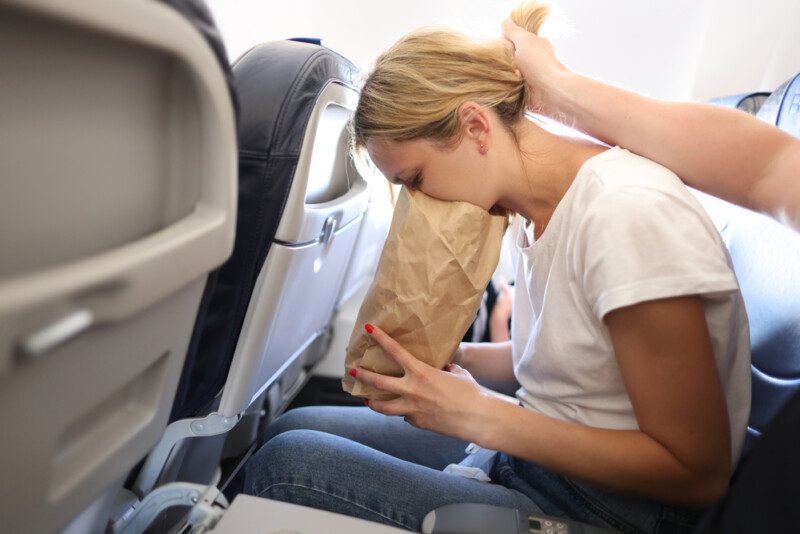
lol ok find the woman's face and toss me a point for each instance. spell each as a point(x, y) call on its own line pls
point(455, 173)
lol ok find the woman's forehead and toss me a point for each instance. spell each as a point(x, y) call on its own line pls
point(387, 150)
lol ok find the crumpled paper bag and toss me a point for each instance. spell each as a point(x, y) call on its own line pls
point(434, 268)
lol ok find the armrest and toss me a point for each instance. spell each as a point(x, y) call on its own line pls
point(468, 518)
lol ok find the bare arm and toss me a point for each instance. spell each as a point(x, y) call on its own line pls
point(487, 361)
point(724, 152)
point(681, 452)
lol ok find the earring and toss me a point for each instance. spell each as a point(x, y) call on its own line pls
point(481, 147)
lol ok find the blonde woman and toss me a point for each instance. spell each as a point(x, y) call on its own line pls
point(629, 339)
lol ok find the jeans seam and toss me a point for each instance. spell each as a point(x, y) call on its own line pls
point(363, 507)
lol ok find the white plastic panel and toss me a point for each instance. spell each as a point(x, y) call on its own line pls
point(332, 364)
point(118, 166)
point(292, 304)
point(374, 229)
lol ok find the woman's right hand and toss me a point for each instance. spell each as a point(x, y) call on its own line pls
point(536, 60)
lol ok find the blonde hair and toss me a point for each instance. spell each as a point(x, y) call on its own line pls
point(416, 87)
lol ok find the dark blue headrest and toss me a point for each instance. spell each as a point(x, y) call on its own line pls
point(310, 40)
point(782, 108)
point(749, 102)
point(766, 258)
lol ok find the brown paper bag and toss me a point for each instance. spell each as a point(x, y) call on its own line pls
point(434, 268)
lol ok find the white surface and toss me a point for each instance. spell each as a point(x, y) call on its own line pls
point(292, 302)
point(680, 49)
point(251, 514)
point(332, 364)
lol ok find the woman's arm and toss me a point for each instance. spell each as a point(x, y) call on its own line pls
point(680, 454)
point(487, 361)
point(724, 152)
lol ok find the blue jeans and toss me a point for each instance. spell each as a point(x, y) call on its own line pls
point(360, 463)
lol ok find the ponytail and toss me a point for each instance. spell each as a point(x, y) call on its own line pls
point(417, 86)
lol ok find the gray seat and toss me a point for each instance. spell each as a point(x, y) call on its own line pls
point(766, 259)
point(117, 198)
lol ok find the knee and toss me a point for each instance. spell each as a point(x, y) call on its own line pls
point(299, 418)
point(283, 457)
point(297, 458)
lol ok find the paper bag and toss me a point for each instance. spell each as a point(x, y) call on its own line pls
point(434, 268)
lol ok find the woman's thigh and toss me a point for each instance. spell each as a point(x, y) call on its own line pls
point(325, 471)
point(390, 435)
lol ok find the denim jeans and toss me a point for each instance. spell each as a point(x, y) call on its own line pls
point(360, 463)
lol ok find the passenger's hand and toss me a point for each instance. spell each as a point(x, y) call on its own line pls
point(536, 61)
point(446, 401)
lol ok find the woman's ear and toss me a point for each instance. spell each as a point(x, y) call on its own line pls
point(477, 124)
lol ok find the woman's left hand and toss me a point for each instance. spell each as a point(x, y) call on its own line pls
point(449, 402)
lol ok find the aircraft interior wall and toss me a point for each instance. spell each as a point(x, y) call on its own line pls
point(677, 49)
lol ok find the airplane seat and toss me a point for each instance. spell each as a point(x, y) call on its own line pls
point(783, 107)
point(117, 198)
point(765, 258)
point(302, 201)
point(747, 102)
point(269, 152)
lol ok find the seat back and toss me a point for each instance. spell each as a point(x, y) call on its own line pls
point(297, 185)
point(295, 139)
point(766, 259)
point(118, 166)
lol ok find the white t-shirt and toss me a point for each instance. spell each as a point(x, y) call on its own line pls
point(626, 231)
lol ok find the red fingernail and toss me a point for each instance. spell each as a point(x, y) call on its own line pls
point(366, 402)
point(353, 372)
point(369, 328)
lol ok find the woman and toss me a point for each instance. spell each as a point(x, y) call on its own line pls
point(629, 334)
